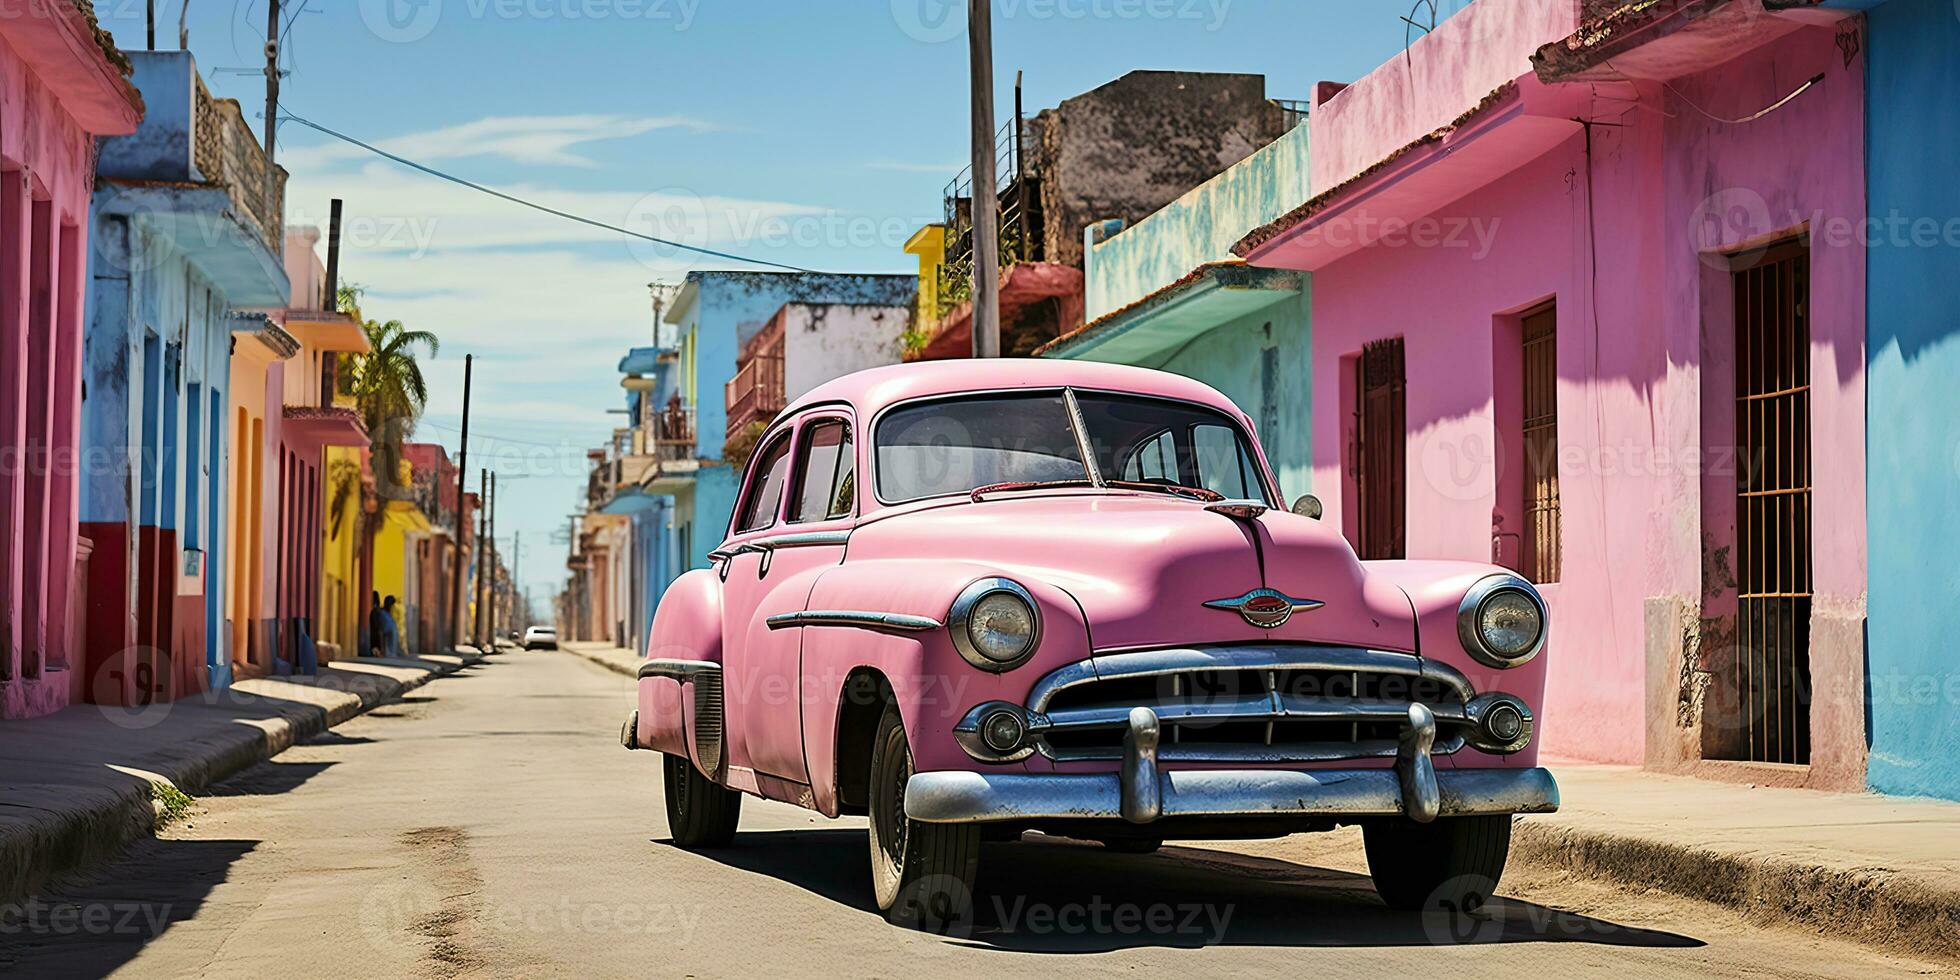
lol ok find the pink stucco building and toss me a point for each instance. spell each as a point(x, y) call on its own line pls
point(1588, 299)
point(61, 85)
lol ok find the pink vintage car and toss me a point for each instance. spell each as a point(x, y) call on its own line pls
point(973, 598)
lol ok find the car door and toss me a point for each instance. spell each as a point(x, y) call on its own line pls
point(817, 504)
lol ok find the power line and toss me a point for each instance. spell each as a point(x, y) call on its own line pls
point(567, 215)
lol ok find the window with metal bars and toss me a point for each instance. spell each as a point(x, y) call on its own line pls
point(1773, 503)
point(1539, 554)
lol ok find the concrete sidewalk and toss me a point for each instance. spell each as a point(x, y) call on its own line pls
point(1874, 869)
point(76, 786)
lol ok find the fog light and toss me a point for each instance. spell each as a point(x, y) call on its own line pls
point(1504, 723)
point(1003, 730)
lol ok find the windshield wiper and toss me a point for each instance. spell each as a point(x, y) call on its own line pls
point(1174, 489)
point(979, 492)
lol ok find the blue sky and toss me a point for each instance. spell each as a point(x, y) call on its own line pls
point(814, 134)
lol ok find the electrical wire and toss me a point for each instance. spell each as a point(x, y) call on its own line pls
point(493, 192)
point(1752, 117)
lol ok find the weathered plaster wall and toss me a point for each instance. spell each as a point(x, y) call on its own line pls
point(1199, 227)
point(1445, 72)
point(1131, 146)
point(825, 341)
point(1914, 344)
point(44, 158)
point(1232, 358)
point(1631, 345)
point(727, 309)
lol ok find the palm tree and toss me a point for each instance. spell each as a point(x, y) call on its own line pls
point(389, 391)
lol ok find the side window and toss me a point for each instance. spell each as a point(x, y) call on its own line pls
point(825, 486)
point(1153, 459)
point(1222, 462)
point(772, 469)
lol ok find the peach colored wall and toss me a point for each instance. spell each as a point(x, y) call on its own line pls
point(1630, 399)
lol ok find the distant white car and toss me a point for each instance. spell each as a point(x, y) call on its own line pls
point(541, 638)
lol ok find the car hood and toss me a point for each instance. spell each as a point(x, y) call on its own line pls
point(1142, 566)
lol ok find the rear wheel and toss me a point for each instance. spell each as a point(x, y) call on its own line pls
point(700, 812)
point(921, 873)
point(1451, 865)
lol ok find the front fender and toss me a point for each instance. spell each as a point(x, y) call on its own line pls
point(1435, 589)
point(686, 626)
point(933, 685)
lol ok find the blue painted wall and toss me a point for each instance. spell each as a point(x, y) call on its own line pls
point(1913, 393)
point(722, 311)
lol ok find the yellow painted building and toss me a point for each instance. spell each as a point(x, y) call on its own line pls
point(929, 245)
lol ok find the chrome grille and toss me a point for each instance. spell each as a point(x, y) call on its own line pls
point(1249, 704)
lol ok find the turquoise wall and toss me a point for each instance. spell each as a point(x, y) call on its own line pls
point(1232, 358)
point(1199, 227)
point(1913, 399)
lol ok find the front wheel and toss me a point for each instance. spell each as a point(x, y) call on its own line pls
point(1450, 865)
point(700, 811)
point(921, 873)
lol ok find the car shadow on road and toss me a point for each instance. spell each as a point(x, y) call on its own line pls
point(1046, 895)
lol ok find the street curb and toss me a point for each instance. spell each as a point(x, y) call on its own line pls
point(73, 840)
point(1883, 909)
point(615, 667)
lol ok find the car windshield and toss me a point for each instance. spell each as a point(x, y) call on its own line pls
point(952, 446)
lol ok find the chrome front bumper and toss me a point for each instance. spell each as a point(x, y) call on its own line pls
point(1140, 792)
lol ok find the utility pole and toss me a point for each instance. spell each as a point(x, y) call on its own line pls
point(516, 562)
point(150, 23)
point(482, 554)
point(986, 210)
point(331, 302)
point(267, 214)
point(490, 583)
point(462, 488)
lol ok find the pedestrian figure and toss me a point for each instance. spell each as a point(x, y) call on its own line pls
point(376, 632)
point(393, 646)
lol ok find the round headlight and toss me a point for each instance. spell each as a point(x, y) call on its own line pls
point(1509, 623)
point(1501, 621)
point(1003, 730)
point(995, 624)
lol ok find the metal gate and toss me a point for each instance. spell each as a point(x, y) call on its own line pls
point(1540, 558)
point(1381, 456)
point(1773, 504)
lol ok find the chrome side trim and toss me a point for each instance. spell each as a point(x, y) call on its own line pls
point(680, 670)
point(859, 618)
point(802, 539)
point(1155, 663)
point(970, 797)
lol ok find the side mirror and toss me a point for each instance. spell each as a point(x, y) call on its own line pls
point(1308, 506)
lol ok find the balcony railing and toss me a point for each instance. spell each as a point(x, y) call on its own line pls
point(226, 152)
point(755, 394)
point(1018, 194)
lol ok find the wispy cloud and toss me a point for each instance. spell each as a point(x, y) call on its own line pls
point(530, 140)
point(900, 167)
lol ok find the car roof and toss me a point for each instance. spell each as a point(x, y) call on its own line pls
point(870, 391)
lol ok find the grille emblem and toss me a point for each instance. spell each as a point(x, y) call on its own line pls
point(1266, 608)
